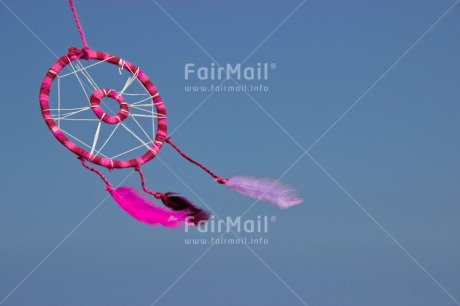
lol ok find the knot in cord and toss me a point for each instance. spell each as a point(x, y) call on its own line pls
point(160, 196)
point(75, 53)
point(85, 51)
point(221, 180)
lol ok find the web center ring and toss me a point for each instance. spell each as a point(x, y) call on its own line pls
point(95, 101)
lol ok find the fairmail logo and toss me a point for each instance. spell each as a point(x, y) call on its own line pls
point(229, 224)
point(213, 72)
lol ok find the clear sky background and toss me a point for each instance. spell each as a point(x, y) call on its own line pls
point(380, 222)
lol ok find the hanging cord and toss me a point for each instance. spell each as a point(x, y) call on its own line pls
point(218, 178)
point(108, 186)
point(176, 202)
point(157, 195)
point(80, 29)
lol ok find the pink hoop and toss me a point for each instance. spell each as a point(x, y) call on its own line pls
point(95, 101)
point(73, 55)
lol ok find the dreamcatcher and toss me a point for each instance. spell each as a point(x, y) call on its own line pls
point(139, 122)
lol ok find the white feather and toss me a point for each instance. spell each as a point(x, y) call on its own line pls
point(268, 190)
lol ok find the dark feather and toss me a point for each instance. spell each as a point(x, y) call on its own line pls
point(176, 202)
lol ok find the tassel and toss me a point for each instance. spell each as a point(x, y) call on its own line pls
point(143, 209)
point(178, 203)
point(267, 190)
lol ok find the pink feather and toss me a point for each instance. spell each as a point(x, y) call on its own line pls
point(267, 190)
point(143, 209)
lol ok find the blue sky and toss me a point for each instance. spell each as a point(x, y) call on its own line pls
point(361, 116)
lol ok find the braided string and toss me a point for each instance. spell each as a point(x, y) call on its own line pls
point(108, 186)
point(80, 29)
point(218, 178)
point(157, 195)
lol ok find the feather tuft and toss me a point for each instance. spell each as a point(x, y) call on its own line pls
point(145, 210)
point(268, 190)
point(178, 203)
